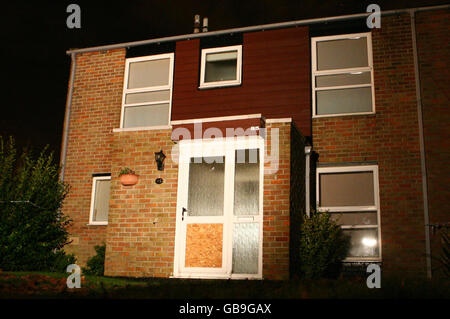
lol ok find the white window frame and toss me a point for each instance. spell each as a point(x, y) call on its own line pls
point(218, 147)
point(316, 72)
point(376, 207)
point(94, 186)
point(126, 91)
point(238, 80)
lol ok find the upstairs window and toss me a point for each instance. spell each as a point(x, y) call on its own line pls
point(221, 66)
point(100, 200)
point(350, 195)
point(342, 75)
point(147, 92)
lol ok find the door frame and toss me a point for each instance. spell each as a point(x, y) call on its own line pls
point(216, 147)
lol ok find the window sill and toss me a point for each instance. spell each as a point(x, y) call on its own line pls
point(218, 85)
point(142, 128)
point(98, 224)
point(342, 114)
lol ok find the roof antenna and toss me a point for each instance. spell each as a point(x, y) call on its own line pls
point(197, 23)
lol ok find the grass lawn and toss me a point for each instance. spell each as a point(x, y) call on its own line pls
point(53, 285)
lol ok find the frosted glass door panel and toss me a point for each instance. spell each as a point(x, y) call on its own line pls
point(206, 186)
point(246, 182)
point(245, 248)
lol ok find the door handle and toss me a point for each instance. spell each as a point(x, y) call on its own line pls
point(182, 213)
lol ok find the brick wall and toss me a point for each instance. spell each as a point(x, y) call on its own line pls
point(141, 229)
point(276, 207)
point(95, 112)
point(433, 43)
point(390, 137)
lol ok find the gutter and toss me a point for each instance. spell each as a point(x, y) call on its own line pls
point(250, 29)
point(421, 145)
point(308, 150)
point(67, 116)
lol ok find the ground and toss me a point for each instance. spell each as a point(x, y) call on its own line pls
point(53, 285)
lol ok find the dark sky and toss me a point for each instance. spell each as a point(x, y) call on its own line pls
point(35, 38)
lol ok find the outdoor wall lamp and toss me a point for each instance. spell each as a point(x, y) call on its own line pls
point(159, 158)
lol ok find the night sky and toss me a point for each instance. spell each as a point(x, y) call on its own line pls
point(35, 38)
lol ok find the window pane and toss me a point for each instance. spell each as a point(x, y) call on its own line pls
point(101, 200)
point(343, 79)
point(146, 115)
point(206, 186)
point(246, 182)
point(245, 248)
point(363, 242)
point(346, 189)
point(355, 218)
point(340, 54)
point(148, 73)
point(221, 66)
point(147, 97)
point(342, 101)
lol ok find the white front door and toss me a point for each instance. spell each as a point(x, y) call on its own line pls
point(219, 209)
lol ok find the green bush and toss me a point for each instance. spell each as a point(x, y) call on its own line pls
point(33, 230)
point(61, 261)
point(96, 264)
point(323, 247)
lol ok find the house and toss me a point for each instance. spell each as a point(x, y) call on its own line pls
point(258, 125)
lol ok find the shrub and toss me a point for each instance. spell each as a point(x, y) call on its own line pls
point(96, 264)
point(61, 261)
point(33, 230)
point(323, 247)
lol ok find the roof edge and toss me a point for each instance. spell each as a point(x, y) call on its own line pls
point(250, 29)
